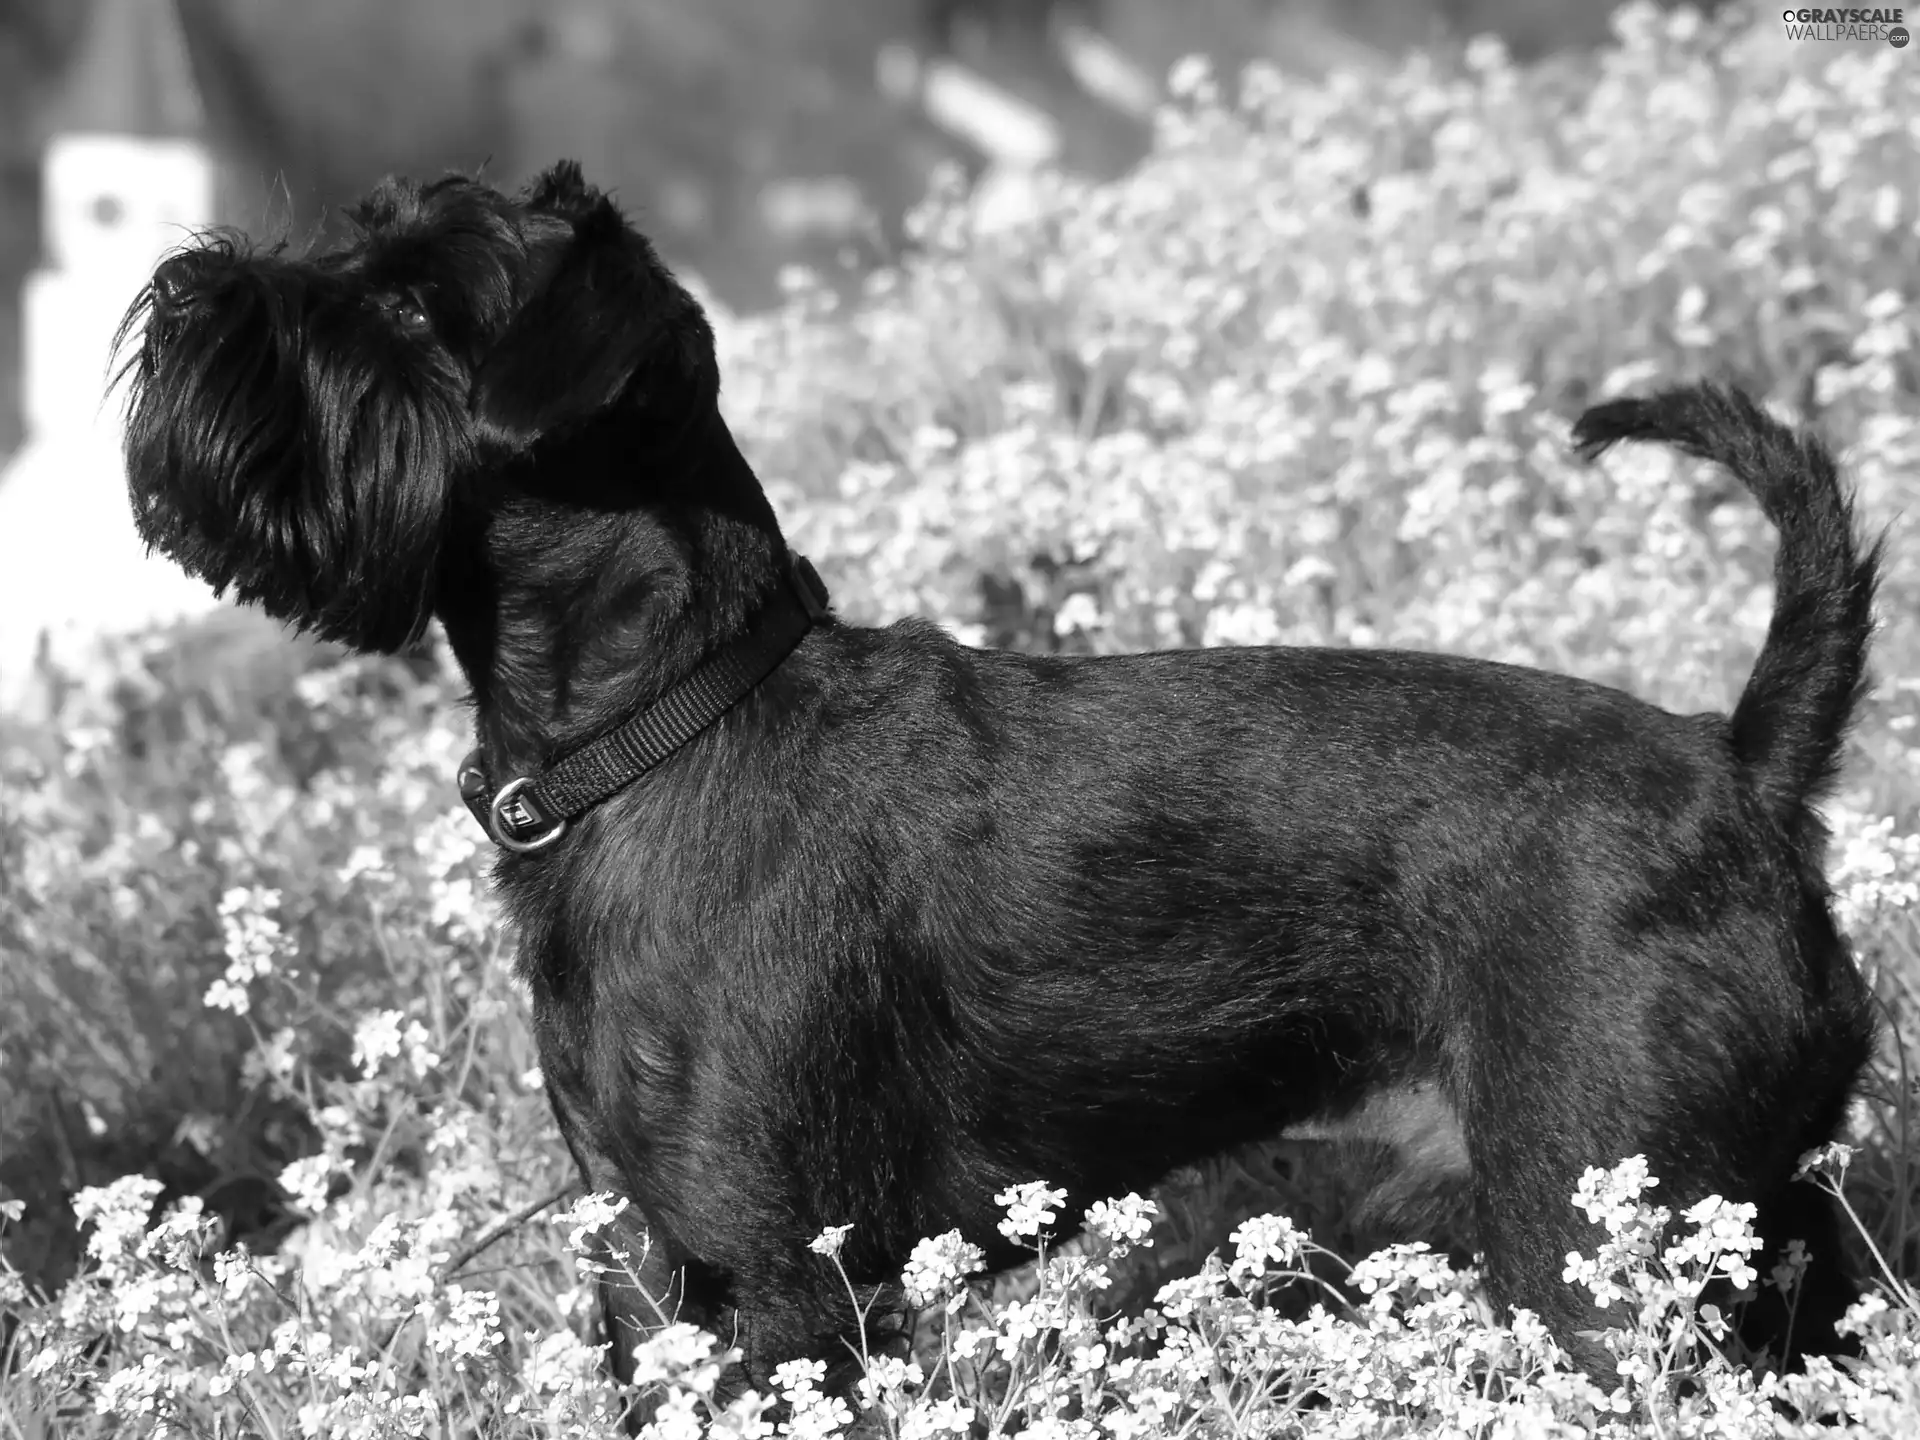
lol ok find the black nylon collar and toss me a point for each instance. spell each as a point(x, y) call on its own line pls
point(530, 812)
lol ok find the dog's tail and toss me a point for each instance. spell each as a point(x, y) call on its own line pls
point(1812, 671)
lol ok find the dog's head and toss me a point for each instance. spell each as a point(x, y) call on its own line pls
point(317, 433)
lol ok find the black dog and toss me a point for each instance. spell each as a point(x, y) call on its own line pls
point(828, 924)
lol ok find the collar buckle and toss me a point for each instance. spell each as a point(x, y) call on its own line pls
point(515, 824)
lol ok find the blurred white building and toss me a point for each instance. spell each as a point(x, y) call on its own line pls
point(125, 178)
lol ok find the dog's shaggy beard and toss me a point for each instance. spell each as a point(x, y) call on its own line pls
point(296, 449)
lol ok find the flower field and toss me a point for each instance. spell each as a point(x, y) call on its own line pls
point(274, 1156)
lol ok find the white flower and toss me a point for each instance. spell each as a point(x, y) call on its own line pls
point(938, 1267)
point(272, 1057)
point(308, 1182)
point(225, 995)
point(253, 942)
point(681, 1355)
point(1830, 1160)
point(367, 862)
point(383, 1034)
point(1611, 1196)
point(741, 1419)
point(930, 1418)
point(118, 1213)
point(829, 1240)
point(587, 1216)
point(471, 1327)
point(815, 1416)
point(1260, 1242)
point(677, 1418)
point(1123, 1223)
point(1030, 1208)
point(798, 1377)
point(887, 1379)
point(972, 1342)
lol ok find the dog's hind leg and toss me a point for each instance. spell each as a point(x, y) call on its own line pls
point(1719, 1086)
point(1526, 1153)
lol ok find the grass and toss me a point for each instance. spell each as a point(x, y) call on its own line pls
point(274, 1158)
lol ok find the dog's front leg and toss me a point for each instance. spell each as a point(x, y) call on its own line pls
point(647, 1279)
point(643, 1286)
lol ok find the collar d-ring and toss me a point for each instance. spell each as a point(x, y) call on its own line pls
point(509, 818)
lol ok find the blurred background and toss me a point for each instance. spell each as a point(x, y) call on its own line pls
point(744, 133)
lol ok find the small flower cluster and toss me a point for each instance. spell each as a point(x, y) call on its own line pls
point(253, 941)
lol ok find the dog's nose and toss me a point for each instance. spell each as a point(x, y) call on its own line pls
point(174, 283)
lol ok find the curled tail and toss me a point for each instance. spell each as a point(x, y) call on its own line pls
point(1812, 671)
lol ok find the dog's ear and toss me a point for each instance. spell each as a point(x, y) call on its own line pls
point(607, 326)
point(562, 190)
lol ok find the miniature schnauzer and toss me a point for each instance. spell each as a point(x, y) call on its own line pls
point(826, 923)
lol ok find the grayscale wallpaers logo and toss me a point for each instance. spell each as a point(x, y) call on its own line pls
point(1817, 23)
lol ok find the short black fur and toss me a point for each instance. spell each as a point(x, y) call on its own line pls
point(914, 920)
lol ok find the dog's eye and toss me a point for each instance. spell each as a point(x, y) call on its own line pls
point(409, 313)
